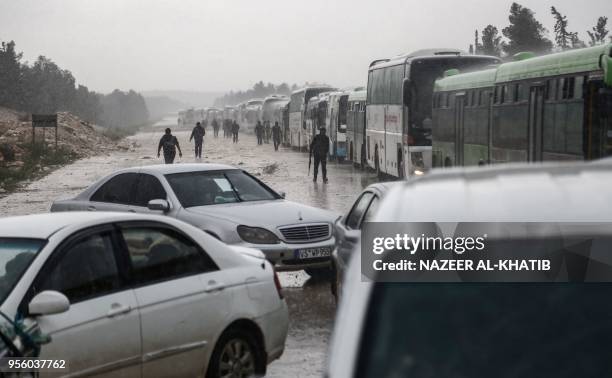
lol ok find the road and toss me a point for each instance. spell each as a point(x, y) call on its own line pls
point(311, 305)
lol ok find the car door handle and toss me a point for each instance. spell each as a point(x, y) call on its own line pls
point(118, 309)
point(91, 208)
point(214, 286)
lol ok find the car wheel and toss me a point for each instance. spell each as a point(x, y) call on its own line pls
point(236, 355)
point(319, 273)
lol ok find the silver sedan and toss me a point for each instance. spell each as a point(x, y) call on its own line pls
point(225, 202)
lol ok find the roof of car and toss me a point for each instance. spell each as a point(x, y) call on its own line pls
point(517, 192)
point(382, 187)
point(42, 226)
point(179, 168)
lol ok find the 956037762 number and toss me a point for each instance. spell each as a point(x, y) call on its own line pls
point(32, 365)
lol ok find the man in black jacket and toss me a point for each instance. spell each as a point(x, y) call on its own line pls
point(235, 128)
point(319, 148)
point(197, 134)
point(170, 144)
point(276, 137)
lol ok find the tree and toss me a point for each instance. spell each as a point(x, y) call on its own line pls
point(525, 33)
point(11, 76)
point(599, 33)
point(491, 41)
point(477, 46)
point(564, 38)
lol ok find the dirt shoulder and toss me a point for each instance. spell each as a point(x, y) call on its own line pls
point(22, 161)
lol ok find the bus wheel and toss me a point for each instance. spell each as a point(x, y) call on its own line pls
point(448, 163)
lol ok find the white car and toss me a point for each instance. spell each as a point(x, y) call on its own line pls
point(226, 202)
point(141, 296)
point(460, 329)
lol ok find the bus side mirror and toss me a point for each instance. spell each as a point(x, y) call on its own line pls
point(407, 92)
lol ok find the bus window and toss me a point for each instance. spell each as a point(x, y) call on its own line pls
point(560, 88)
point(506, 94)
point(579, 87)
point(480, 98)
point(551, 90)
point(496, 95)
point(568, 88)
point(517, 92)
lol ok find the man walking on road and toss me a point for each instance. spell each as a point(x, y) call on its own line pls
point(267, 131)
point(319, 148)
point(170, 144)
point(259, 130)
point(235, 129)
point(197, 134)
point(276, 137)
point(216, 130)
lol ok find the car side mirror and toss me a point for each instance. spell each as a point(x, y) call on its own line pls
point(159, 205)
point(48, 303)
point(282, 194)
point(407, 92)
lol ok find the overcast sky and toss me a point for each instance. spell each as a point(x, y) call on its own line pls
point(230, 44)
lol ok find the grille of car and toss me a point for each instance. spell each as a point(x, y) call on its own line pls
point(306, 233)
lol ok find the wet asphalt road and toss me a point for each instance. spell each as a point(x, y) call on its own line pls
point(311, 305)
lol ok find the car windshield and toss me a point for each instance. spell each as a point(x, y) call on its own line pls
point(15, 256)
point(488, 330)
point(218, 187)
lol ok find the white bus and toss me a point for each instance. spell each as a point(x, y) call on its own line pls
point(271, 108)
point(355, 127)
point(252, 113)
point(298, 135)
point(336, 124)
point(399, 104)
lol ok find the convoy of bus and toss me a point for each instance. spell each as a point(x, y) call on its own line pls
point(443, 107)
point(552, 107)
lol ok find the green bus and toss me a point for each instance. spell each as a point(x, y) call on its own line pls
point(552, 107)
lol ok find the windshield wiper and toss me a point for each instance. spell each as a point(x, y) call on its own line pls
point(233, 188)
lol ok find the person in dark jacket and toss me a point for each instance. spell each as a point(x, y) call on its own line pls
point(170, 144)
point(268, 131)
point(319, 148)
point(276, 135)
point(259, 130)
point(216, 130)
point(197, 134)
point(235, 129)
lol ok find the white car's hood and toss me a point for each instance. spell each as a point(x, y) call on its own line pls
point(270, 214)
point(249, 252)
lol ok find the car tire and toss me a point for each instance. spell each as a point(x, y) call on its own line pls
point(237, 352)
point(319, 273)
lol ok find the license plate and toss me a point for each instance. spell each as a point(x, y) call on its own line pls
point(312, 253)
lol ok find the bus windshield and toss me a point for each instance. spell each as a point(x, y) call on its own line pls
point(423, 74)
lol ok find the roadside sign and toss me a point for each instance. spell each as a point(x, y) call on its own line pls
point(44, 121)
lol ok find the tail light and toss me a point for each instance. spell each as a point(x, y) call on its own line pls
point(277, 283)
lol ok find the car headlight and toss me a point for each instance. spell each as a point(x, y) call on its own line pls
point(257, 235)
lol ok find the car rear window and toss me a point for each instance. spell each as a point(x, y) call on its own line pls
point(488, 330)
